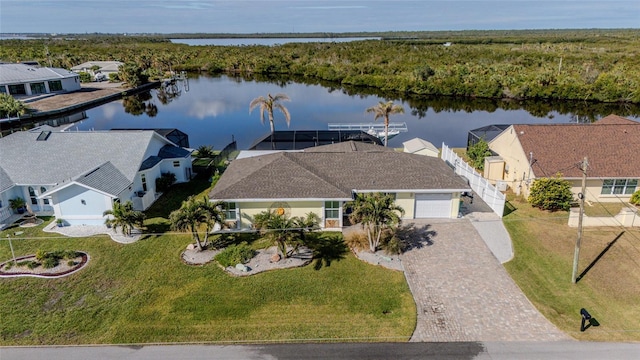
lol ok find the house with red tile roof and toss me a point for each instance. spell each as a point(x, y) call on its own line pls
point(611, 146)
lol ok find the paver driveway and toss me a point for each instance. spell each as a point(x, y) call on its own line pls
point(463, 293)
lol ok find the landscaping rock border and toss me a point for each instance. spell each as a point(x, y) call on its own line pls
point(64, 269)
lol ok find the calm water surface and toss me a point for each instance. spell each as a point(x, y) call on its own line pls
point(215, 110)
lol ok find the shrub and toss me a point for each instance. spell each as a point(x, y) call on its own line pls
point(164, 182)
point(85, 77)
point(70, 254)
point(635, 198)
point(41, 255)
point(477, 153)
point(8, 265)
point(394, 245)
point(32, 264)
point(357, 240)
point(551, 194)
point(50, 262)
point(71, 263)
point(235, 254)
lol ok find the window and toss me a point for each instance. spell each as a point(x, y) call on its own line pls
point(143, 178)
point(32, 195)
point(38, 88)
point(17, 89)
point(331, 209)
point(230, 210)
point(619, 186)
point(42, 191)
point(3, 89)
point(55, 85)
point(176, 163)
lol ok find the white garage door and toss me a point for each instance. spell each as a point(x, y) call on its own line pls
point(433, 206)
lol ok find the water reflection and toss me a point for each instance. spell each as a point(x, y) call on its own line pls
point(216, 109)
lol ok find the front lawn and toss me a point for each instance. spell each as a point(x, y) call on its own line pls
point(609, 288)
point(142, 292)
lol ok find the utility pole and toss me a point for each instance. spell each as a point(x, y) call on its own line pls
point(581, 196)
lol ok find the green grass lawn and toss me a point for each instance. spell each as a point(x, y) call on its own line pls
point(142, 292)
point(542, 267)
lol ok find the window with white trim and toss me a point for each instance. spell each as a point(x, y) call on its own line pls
point(619, 186)
point(331, 209)
point(230, 211)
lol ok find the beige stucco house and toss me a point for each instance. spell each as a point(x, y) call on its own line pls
point(611, 145)
point(323, 178)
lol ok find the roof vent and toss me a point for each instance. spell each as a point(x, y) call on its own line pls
point(43, 136)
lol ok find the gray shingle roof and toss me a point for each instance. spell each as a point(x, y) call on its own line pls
point(16, 73)
point(333, 174)
point(5, 180)
point(111, 66)
point(65, 155)
point(106, 178)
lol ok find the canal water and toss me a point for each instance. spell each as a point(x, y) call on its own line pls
point(215, 110)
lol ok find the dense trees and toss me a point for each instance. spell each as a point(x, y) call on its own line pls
point(596, 65)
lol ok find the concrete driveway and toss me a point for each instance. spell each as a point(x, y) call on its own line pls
point(463, 293)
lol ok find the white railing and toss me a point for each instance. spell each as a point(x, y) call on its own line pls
point(5, 213)
point(481, 186)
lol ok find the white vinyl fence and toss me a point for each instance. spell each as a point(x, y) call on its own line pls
point(489, 193)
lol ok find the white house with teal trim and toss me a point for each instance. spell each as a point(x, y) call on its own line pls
point(76, 176)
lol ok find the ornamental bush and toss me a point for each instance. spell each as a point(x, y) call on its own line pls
point(551, 194)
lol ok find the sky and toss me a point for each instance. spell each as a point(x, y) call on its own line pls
point(300, 16)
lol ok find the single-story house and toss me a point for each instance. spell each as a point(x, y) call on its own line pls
point(321, 179)
point(78, 175)
point(101, 67)
point(27, 80)
point(420, 147)
point(611, 145)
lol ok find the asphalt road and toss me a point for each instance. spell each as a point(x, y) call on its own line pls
point(570, 350)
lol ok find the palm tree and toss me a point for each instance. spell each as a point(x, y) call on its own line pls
point(193, 214)
point(268, 104)
point(376, 212)
point(383, 110)
point(284, 231)
point(123, 215)
point(9, 106)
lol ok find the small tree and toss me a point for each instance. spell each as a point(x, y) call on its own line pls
point(284, 231)
point(551, 193)
point(376, 212)
point(123, 216)
point(164, 182)
point(204, 152)
point(478, 152)
point(195, 214)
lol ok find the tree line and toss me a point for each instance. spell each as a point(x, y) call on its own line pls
point(590, 65)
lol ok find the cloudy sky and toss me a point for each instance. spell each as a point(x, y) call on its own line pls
point(254, 16)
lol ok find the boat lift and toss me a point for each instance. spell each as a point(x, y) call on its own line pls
point(379, 126)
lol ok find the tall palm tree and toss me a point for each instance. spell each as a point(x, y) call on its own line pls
point(193, 215)
point(268, 104)
point(383, 110)
point(376, 212)
point(123, 216)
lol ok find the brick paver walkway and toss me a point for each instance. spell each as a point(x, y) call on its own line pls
point(463, 293)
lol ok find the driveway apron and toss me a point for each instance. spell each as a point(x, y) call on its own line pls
point(463, 293)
